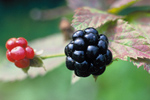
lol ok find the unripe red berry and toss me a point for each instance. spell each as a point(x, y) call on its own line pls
point(8, 55)
point(21, 42)
point(29, 52)
point(11, 43)
point(23, 63)
point(18, 53)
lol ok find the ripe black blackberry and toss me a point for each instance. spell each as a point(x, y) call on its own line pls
point(88, 53)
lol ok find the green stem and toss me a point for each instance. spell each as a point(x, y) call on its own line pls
point(52, 56)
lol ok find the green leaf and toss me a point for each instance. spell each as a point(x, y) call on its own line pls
point(89, 17)
point(25, 70)
point(120, 5)
point(134, 9)
point(36, 62)
point(138, 18)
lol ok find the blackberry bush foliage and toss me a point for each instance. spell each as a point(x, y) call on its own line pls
point(88, 53)
point(128, 35)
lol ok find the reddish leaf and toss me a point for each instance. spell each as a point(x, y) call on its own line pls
point(142, 62)
point(141, 20)
point(88, 17)
point(127, 42)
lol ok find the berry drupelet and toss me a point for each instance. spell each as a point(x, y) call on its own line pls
point(19, 52)
point(88, 53)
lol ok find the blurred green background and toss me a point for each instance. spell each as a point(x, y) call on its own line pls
point(121, 80)
point(15, 19)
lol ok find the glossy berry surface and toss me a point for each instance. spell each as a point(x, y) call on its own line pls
point(103, 37)
point(91, 39)
point(79, 44)
point(66, 50)
point(78, 34)
point(83, 66)
point(69, 49)
point(78, 56)
point(11, 43)
point(108, 57)
point(100, 61)
point(21, 42)
point(81, 74)
point(18, 53)
point(8, 55)
point(102, 46)
point(23, 63)
point(70, 63)
point(88, 53)
point(92, 52)
point(100, 71)
point(93, 69)
point(29, 52)
point(91, 30)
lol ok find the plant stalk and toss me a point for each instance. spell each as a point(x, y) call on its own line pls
point(52, 56)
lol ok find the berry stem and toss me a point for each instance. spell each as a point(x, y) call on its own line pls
point(52, 56)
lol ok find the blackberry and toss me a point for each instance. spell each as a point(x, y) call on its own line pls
point(79, 44)
point(100, 61)
point(66, 51)
point(91, 30)
point(70, 63)
point(108, 57)
point(88, 53)
point(100, 71)
point(93, 69)
point(81, 74)
point(103, 37)
point(78, 56)
point(78, 34)
point(91, 39)
point(69, 49)
point(92, 52)
point(83, 66)
point(102, 46)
